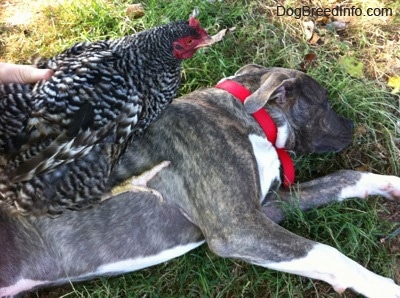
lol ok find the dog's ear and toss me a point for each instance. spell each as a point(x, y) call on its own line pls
point(273, 86)
point(249, 68)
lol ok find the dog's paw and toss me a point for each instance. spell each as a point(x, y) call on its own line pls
point(383, 185)
point(374, 184)
point(381, 287)
point(366, 282)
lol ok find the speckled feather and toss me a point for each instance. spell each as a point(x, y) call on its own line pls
point(60, 138)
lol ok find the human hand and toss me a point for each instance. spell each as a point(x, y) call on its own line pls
point(13, 73)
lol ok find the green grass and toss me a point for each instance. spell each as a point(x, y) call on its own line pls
point(263, 38)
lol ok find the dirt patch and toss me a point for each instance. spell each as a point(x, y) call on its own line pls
point(21, 12)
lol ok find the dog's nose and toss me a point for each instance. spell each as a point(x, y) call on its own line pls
point(350, 124)
point(346, 123)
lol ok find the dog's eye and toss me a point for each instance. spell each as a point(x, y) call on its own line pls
point(289, 88)
point(289, 92)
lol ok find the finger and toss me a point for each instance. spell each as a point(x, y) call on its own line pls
point(12, 73)
point(29, 74)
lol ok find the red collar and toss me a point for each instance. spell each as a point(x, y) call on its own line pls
point(267, 124)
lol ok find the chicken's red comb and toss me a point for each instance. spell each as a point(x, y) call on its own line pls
point(193, 22)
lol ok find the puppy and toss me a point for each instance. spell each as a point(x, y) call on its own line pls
point(222, 187)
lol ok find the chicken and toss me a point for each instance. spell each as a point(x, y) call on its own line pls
point(61, 138)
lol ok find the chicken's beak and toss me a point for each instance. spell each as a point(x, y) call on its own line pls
point(207, 42)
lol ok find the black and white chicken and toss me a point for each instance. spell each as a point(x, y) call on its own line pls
point(60, 138)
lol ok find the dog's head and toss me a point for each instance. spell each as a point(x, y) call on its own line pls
point(299, 106)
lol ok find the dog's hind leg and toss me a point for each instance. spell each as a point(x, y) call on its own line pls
point(250, 236)
point(336, 187)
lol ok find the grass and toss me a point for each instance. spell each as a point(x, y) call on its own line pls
point(264, 38)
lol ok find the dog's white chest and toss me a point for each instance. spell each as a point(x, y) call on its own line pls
point(267, 161)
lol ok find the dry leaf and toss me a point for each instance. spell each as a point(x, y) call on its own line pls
point(394, 82)
point(308, 29)
point(336, 26)
point(220, 35)
point(322, 20)
point(352, 66)
point(314, 39)
point(339, 25)
point(195, 13)
point(310, 58)
point(397, 127)
point(360, 130)
point(362, 168)
point(134, 11)
point(308, 61)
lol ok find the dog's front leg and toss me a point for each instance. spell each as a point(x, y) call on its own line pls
point(255, 239)
point(336, 187)
point(326, 263)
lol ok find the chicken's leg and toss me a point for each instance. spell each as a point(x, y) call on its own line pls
point(138, 183)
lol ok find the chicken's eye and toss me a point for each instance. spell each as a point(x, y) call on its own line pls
point(189, 42)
